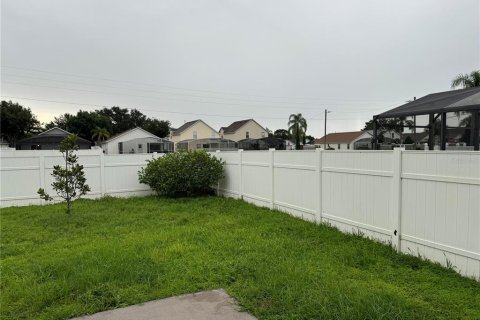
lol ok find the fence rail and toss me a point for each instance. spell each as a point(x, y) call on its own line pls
point(423, 203)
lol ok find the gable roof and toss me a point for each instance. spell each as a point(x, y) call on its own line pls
point(448, 101)
point(237, 125)
point(186, 125)
point(54, 131)
point(340, 137)
point(127, 132)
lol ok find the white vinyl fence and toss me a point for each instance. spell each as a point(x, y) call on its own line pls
point(23, 172)
point(424, 203)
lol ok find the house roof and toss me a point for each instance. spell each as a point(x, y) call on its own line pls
point(127, 132)
point(237, 125)
point(187, 125)
point(340, 137)
point(448, 101)
point(54, 131)
point(51, 135)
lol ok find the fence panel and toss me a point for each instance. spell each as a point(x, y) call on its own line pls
point(20, 179)
point(295, 183)
point(257, 177)
point(230, 185)
point(441, 207)
point(356, 189)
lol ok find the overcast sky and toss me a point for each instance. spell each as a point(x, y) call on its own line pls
point(223, 61)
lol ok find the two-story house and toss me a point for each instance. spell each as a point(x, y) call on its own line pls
point(244, 129)
point(192, 130)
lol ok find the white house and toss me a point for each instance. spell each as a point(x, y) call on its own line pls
point(353, 139)
point(136, 140)
point(342, 140)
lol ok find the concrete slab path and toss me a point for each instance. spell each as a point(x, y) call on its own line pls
point(206, 305)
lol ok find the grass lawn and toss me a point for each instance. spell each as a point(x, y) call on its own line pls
point(115, 252)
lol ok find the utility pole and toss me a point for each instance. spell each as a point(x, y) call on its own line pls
point(325, 135)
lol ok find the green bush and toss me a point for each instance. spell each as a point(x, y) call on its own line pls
point(182, 173)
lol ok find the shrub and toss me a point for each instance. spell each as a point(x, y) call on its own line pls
point(182, 173)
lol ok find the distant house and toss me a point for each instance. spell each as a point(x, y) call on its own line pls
point(49, 140)
point(342, 140)
point(354, 140)
point(193, 130)
point(136, 140)
point(244, 129)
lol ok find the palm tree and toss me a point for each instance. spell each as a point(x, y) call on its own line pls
point(467, 80)
point(297, 127)
point(100, 134)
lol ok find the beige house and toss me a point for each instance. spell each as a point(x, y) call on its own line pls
point(196, 129)
point(244, 129)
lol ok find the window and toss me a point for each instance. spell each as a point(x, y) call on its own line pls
point(120, 147)
point(36, 147)
point(339, 146)
point(348, 146)
point(247, 135)
point(139, 146)
point(194, 134)
point(393, 136)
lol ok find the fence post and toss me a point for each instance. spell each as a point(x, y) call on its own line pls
point(102, 175)
point(240, 173)
point(318, 182)
point(217, 155)
point(397, 198)
point(271, 152)
point(41, 166)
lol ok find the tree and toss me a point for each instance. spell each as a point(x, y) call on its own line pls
point(100, 134)
point(310, 139)
point(160, 128)
point(467, 80)
point(82, 124)
point(70, 181)
point(282, 134)
point(297, 127)
point(392, 124)
point(17, 122)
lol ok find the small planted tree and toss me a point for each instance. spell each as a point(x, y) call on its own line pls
point(70, 181)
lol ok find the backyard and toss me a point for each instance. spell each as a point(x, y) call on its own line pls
point(114, 252)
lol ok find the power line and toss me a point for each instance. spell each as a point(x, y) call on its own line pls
point(192, 95)
point(174, 99)
point(165, 111)
point(171, 87)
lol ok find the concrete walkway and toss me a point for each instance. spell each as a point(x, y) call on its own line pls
point(207, 305)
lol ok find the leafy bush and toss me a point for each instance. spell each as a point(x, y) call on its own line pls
point(182, 173)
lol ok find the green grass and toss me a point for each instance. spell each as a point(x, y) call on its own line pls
point(115, 252)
